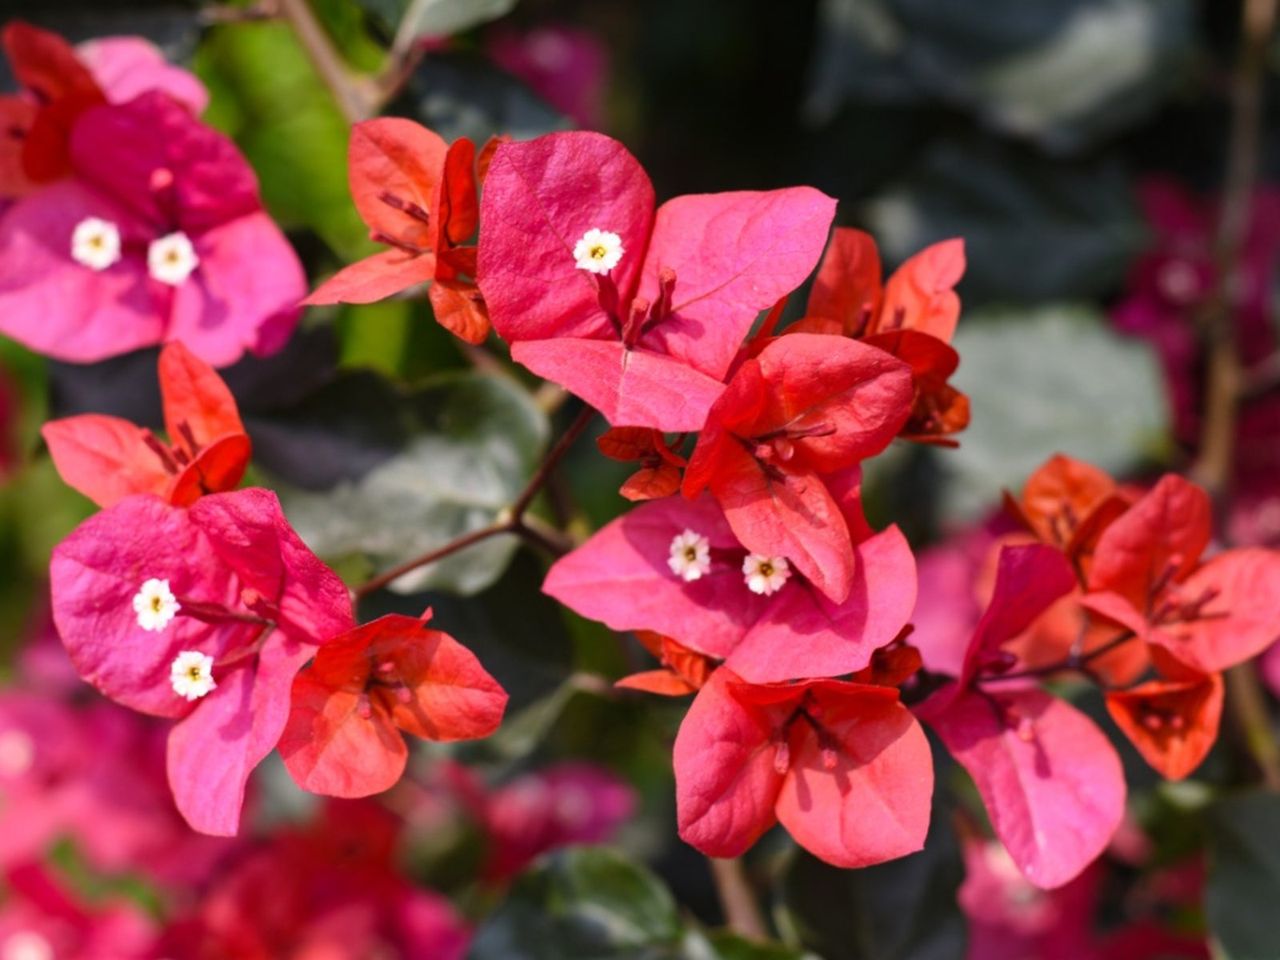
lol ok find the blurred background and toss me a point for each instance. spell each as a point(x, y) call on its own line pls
point(1078, 147)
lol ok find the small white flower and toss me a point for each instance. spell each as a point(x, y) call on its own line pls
point(192, 674)
point(26, 945)
point(690, 556)
point(172, 258)
point(155, 605)
point(598, 251)
point(765, 575)
point(17, 753)
point(95, 243)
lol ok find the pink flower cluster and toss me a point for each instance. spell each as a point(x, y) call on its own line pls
point(131, 222)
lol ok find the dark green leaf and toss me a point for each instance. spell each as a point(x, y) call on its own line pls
point(463, 95)
point(1244, 876)
point(1033, 229)
point(902, 910)
point(431, 467)
point(586, 903)
point(1063, 72)
point(1048, 379)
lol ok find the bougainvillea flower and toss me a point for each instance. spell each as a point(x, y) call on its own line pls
point(59, 83)
point(1173, 723)
point(628, 577)
point(330, 889)
point(418, 196)
point(1051, 781)
point(61, 778)
point(641, 315)
point(343, 737)
point(1069, 503)
point(808, 405)
point(126, 67)
point(843, 766)
point(566, 66)
point(683, 671)
point(919, 296)
point(912, 316)
point(1148, 576)
point(238, 587)
point(1010, 919)
point(158, 235)
point(42, 920)
point(107, 458)
point(660, 464)
point(568, 803)
point(57, 87)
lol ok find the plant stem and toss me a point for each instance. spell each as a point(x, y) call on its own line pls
point(346, 90)
point(512, 520)
point(1075, 661)
point(1226, 380)
point(737, 899)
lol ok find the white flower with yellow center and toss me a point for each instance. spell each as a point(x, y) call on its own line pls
point(155, 605)
point(690, 557)
point(192, 674)
point(95, 243)
point(598, 251)
point(25, 945)
point(765, 575)
point(172, 259)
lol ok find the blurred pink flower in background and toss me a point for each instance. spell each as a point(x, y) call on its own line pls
point(566, 66)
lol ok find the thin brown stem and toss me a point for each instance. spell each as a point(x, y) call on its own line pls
point(737, 898)
point(1226, 380)
point(1078, 662)
point(346, 90)
point(514, 520)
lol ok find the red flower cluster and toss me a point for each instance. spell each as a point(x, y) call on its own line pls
point(189, 600)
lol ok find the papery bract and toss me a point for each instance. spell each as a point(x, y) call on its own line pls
point(125, 67)
point(1147, 576)
point(253, 598)
point(107, 458)
point(683, 670)
point(348, 707)
point(1173, 723)
point(912, 316)
point(808, 405)
point(60, 88)
point(843, 766)
point(151, 171)
point(418, 197)
point(659, 473)
point(622, 577)
point(648, 341)
point(1050, 780)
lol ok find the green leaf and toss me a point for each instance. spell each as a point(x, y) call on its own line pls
point(1244, 876)
point(474, 440)
point(413, 19)
point(1063, 72)
point(1043, 380)
point(588, 903)
point(463, 95)
point(1033, 229)
point(902, 910)
point(267, 96)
